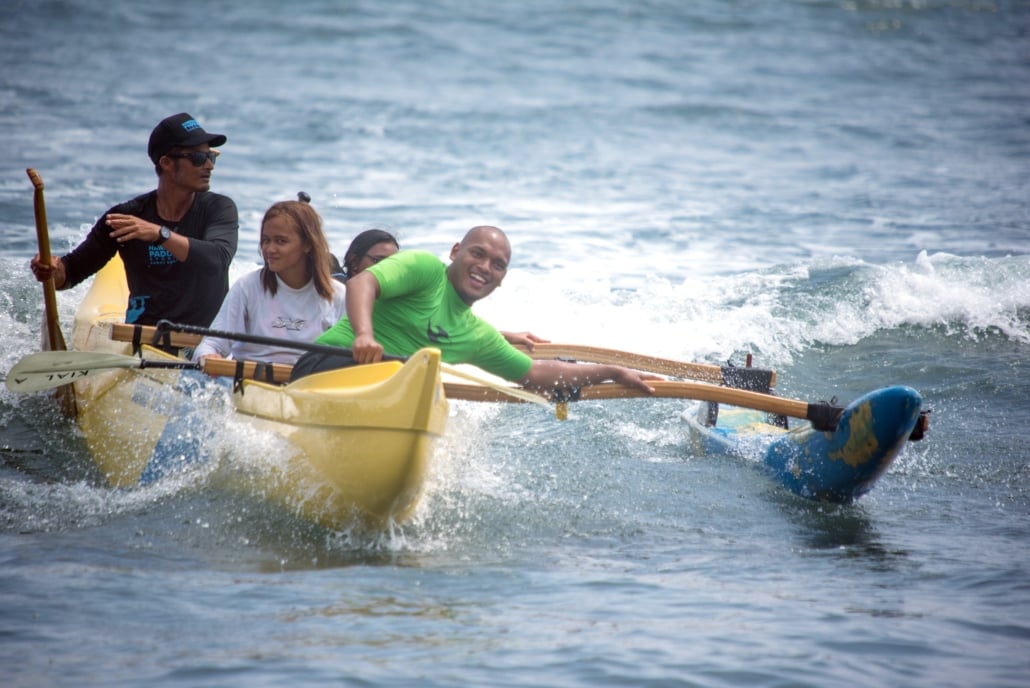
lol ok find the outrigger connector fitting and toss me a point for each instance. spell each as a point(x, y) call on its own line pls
point(922, 425)
point(561, 398)
point(824, 417)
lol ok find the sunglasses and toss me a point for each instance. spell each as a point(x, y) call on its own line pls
point(198, 158)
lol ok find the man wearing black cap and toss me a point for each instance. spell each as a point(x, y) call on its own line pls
point(176, 241)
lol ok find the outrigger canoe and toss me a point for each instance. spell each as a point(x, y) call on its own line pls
point(354, 443)
point(358, 440)
point(351, 444)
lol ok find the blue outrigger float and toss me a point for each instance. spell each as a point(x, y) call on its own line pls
point(838, 464)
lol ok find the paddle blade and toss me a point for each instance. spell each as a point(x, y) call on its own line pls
point(50, 369)
point(65, 394)
point(504, 390)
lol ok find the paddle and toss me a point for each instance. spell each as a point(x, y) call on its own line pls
point(54, 338)
point(167, 326)
point(53, 369)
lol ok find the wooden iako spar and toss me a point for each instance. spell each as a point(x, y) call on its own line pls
point(702, 372)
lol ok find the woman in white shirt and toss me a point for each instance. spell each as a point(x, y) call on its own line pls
point(292, 297)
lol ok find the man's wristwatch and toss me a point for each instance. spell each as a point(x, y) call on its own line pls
point(163, 235)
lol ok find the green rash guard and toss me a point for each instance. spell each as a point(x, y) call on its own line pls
point(418, 307)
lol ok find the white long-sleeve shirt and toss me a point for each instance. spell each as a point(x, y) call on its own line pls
point(296, 314)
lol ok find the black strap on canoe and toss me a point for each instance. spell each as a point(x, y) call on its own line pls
point(137, 337)
point(162, 339)
point(237, 378)
point(711, 414)
point(264, 372)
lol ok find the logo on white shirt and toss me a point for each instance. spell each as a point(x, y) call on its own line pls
point(292, 324)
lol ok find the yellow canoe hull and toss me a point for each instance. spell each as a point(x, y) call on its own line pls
point(344, 446)
point(361, 438)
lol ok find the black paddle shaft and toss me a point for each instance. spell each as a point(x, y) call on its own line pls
point(163, 327)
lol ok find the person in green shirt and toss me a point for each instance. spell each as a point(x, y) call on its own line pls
point(373, 245)
point(412, 300)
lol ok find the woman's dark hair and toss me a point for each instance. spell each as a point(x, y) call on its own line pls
point(361, 245)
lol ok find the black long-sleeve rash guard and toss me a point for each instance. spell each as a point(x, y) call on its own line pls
point(160, 286)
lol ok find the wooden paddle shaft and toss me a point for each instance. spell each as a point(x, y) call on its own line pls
point(43, 240)
point(55, 339)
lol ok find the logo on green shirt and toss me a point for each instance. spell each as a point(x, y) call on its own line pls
point(436, 334)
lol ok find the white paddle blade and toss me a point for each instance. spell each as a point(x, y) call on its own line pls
point(514, 392)
point(50, 369)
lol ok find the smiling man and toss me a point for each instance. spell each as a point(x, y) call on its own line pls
point(412, 300)
point(176, 241)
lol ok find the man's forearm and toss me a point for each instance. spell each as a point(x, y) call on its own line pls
point(362, 290)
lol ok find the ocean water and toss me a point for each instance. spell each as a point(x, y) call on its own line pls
point(837, 187)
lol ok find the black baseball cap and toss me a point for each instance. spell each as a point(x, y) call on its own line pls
point(181, 131)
